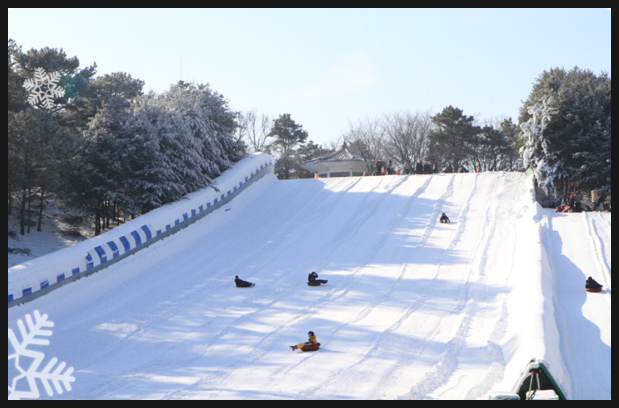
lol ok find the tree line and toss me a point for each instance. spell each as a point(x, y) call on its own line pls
point(562, 135)
point(448, 140)
point(116, 152)
point(107, 147)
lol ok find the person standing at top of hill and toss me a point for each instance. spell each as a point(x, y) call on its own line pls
point(379, 167)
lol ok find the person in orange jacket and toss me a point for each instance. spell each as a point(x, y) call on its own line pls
point(311, 342)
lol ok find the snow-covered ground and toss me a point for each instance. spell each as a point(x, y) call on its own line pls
point(56, 234)
point(581, 245)
point(413, 308)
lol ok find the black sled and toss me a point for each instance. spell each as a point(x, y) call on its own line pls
point(243, 284)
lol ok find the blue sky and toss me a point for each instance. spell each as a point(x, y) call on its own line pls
point(330, 67)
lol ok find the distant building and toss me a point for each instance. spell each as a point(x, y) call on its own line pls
point(342, 163)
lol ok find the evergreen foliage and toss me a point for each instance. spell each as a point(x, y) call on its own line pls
point(288, 135)
point(448, 141)
point(454, 137)
point(159, 148)
point(566, 129)
point(107, 147)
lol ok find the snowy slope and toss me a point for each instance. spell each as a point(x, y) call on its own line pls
point(580, 247)
point(413, 308)
point(55, 269)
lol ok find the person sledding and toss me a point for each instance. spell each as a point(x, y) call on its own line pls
point(444, 219)
point(242, 284)
point(592, 286)
point(312, 280)
point(311, 344)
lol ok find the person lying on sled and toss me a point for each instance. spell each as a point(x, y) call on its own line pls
point(241, 283)
point(313, 277)
point(311, 342)
point(591, 284)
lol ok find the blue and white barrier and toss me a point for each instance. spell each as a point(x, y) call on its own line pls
point(32, 279)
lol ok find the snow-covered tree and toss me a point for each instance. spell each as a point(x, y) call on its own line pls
point(208, 127)
point(106, 159)
point(39, 153)
point(566, 127)
point(537, 151)
point(119, 148)
point(153, 151)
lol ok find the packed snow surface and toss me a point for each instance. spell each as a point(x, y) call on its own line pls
point(414, 309)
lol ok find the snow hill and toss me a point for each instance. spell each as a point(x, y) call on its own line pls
point(414, 309)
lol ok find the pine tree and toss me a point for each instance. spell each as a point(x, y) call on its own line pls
point(106, 160)
point(454, 138)
point(566, 125)
point(208, 130)
point(39, 150)
point(537, 152)
point(17, 93)
point(288, 135)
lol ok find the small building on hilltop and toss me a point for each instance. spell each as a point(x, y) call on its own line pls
point(342, 163)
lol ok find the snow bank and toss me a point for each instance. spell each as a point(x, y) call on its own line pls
point(41, 275)
point(532, 331)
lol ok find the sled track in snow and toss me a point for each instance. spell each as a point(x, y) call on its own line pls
point(271, 340)
point(593, 222)
point(448, 361)
point(413, 309)
point(365, 311)
point(438, 375)
point(421, 301)
point(579, 247)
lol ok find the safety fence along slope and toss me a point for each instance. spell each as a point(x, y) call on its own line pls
point(35, 278)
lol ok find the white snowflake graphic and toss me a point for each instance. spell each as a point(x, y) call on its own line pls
point(43, 88)
point(21, 378)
